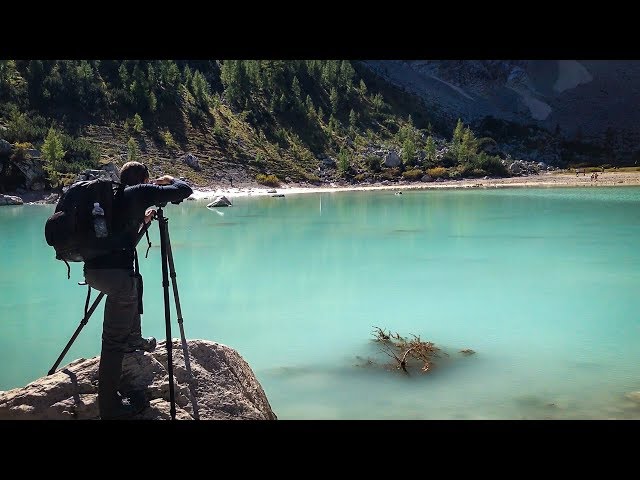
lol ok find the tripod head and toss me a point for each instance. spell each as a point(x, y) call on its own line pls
point(164, 204)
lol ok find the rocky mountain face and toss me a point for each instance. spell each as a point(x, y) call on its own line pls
point(588, 102)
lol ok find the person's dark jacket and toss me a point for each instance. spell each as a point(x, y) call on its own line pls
point(128, 215)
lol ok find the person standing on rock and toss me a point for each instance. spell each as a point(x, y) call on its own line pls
point(114, 275)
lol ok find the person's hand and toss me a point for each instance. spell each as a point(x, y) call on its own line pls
point(149, 215)
point(164, 180)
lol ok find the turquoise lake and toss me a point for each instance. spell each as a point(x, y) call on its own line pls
point(543, 284)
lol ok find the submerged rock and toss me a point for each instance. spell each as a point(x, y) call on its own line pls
point(224, 387)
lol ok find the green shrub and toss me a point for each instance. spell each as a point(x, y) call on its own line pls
point(217, 131)
point(360, 177)
point(22, 128)
point(313, 179)
point(374, 163)
point(80, 154)
point(137, 123)
point(268, 180)
point(133, 153)
point(412, 175)
point(259, 161)
point(438, 172)
point(168, 140)
point(344, 162)
point(491, 165)
point(390, 173)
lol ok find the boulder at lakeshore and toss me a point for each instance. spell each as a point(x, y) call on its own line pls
point(223, 387)
point(10, 200)
point(220, 201)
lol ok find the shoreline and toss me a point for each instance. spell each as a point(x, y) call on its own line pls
point(542, 180)
point(546, 180)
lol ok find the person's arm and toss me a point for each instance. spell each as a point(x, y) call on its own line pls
point(167, 189)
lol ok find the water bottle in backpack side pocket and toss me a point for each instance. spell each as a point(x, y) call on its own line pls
point(99, 222)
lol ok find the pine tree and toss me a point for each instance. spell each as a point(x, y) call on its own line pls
point(430, 150)
point(378, 102)
point(132, 150)
point(458, 132)
point(137, 123)
point(52, 150)
point(362, 88)
point(334, 99)
point(283, 103)
point(233, 78)
point(153, 102)
point(187, 76)
point(343, 162)
point(311, 109)
point(295, 88)
point(456, 140)
point(353, 119)
point(124, 75)
point(467, 147)
point(346, 73)
point(408, 150)
point(200, 88)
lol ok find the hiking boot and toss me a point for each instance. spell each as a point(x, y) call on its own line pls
point(141, 343)
point(122, 409)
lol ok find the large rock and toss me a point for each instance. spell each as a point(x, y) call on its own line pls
point(391, 159)
point(5, 148)
point(191, 160)
point(9, 200)
point(32, 170)
point(107, 172)
point(224, 387)
point(33, 153)
point(113, 172)
point(220, 201)
point(515, 168)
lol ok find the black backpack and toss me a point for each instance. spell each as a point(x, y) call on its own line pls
point(70, 229)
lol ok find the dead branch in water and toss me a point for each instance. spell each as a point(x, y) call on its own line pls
point(408, 351)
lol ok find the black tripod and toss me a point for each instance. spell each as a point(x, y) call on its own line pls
point(167, 269)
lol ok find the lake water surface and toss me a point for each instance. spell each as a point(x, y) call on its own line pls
point(541, 283)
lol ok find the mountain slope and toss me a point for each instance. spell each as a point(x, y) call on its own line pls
point(592, 101)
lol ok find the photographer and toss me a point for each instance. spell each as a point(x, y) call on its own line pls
point(117, 276)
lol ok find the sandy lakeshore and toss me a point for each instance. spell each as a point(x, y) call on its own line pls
point(549, 179)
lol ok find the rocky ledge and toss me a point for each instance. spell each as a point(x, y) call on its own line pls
point(222, 387)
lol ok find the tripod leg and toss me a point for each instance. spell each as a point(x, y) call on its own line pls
point(83, 322)
point(185, 347)
point(162, 222)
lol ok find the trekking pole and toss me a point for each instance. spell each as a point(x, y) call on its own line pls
point(83, 322)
